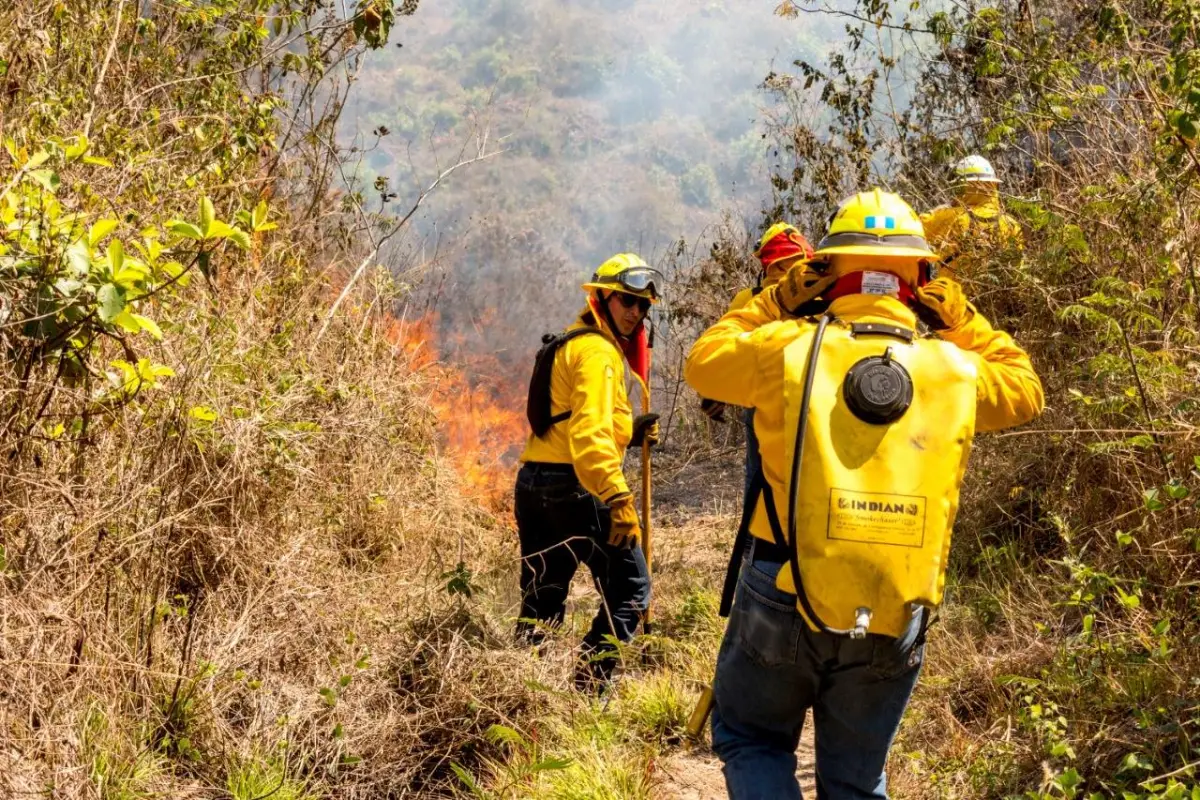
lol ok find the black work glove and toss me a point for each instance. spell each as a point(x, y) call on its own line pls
point(799, 291)
point(645, 429)
point(713, 409)
point(942, 305)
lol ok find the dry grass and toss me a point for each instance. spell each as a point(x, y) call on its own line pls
point(232, 583)
point(179, 603)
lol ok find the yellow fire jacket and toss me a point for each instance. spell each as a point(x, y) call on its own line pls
point(740, 361)
point(742, 298)
point(968, 233)
point(588, 378)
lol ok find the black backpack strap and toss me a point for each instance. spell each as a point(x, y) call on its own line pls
point(758, 488)
point(741, 541)
point(562, 340)
point(575, 333)
point(773, 517)
point(538, 403)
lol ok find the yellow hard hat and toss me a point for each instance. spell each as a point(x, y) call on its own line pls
point(875, 223)
point(628, 273)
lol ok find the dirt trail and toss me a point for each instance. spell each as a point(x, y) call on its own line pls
point(694, 538)
point(696, 775)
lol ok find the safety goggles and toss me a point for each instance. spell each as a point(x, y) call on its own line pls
point(635, 279)
point(631, 300)
point(851, 238)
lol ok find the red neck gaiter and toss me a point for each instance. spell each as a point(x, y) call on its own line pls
point(788, 244)
point(871, 282)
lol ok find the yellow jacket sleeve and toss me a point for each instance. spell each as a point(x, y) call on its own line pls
point(740, 300)
point(722, 364)
point(943, 225)
point(1009, 392)
point(591, 434)
point(1011, 233)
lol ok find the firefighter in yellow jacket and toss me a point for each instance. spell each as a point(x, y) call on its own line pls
point(572, 502)
point(779, 248)
point(864, 427)
point(973, 232)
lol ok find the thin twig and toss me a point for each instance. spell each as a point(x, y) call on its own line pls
point(112, 48)
point(377, 245)
point(1173, 773)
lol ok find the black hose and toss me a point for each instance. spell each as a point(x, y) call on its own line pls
point(810, 370)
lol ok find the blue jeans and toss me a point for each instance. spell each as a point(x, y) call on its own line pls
point(772, 668)
point(560, 526)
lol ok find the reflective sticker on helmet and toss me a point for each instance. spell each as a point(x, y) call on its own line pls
point(880, 283)
point(875, 223)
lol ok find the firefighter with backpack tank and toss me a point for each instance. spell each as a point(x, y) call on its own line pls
point(864, 428)
point(572, 502)
point(973, 232)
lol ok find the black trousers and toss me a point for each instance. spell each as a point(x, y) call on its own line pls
point(561, 526)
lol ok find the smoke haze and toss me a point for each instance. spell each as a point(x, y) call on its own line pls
point(624, 125)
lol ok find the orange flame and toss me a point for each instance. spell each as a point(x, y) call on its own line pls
point(479, 407)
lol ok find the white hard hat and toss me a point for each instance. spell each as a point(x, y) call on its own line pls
point(977, 169)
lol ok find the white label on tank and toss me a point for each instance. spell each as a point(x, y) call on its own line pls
point(880, 283)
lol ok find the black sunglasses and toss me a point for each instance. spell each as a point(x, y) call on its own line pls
point(631, 300)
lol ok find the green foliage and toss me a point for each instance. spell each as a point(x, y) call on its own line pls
point(522, 765)
point(698, 613)
point(98, 240)
point(260, 777)
point(657, 708)
point(164, 225)
point(587, 763)
point(72, 283)
point(115, 771)
point(1088, 110)
point(459, 581)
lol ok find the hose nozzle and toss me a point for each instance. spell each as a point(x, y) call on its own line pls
point(862, 621)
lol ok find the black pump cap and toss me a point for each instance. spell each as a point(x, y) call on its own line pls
point(878, 389)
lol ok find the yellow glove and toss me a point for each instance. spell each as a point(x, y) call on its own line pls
point(799, 288)
point(626, 530)
point(942, 304)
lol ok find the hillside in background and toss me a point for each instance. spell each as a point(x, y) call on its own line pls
point(618, 126)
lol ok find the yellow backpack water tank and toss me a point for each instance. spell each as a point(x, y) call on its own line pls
point(876, 499)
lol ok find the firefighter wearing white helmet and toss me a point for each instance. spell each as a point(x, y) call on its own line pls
point(864, 426)
point(973, 235)
point(977, 169)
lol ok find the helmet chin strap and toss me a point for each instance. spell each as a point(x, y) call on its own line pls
point(608, 317)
